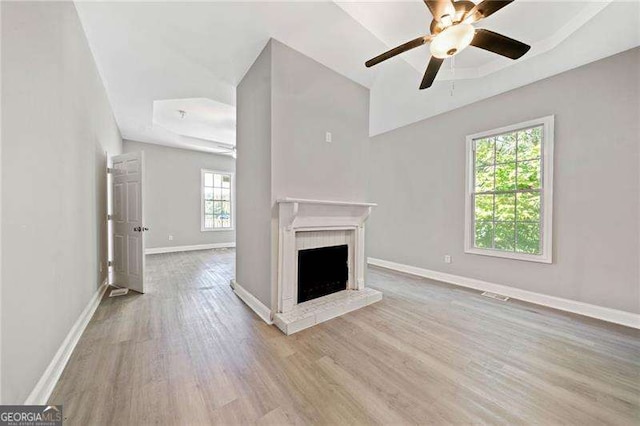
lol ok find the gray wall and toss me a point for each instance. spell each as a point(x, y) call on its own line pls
point(308, 100)
point(286, 104)
point(172, 194)
point(57, 130)
point(417, 176)
point(253, 179)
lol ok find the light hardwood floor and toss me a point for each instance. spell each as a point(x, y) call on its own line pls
point(190, 352)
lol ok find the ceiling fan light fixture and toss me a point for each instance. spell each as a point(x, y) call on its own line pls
point(452, 32)
point(452, 40)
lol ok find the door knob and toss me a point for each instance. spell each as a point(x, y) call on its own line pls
point(137, 229)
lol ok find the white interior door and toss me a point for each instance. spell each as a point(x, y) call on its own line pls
point(128, 227)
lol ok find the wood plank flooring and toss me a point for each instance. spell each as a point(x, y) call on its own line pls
point(190, 352)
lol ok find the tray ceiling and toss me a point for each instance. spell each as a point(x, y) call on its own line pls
point(165, 51)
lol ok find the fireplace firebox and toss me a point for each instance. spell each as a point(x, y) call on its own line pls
point(322, 271)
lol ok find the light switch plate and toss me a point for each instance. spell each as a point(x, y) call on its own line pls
point(327, 137)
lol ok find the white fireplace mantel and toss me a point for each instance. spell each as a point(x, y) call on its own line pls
point(327, 202)
point(300, 215)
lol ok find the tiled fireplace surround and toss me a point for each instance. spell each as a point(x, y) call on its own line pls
point(305, 224)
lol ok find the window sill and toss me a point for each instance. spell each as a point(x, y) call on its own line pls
point(217, 229)
point(511, 255)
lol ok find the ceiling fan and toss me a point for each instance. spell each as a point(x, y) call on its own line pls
point(452, 31)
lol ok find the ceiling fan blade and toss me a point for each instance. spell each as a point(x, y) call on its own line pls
point(439, 8)
point(497, 43)
point(431, 72)
point(485, 9)
point(398, 50)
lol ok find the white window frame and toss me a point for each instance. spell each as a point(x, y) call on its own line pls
point(233, 200)
point(546, 191)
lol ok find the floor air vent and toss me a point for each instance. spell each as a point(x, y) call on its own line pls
point(495, 296)
point(118, 292)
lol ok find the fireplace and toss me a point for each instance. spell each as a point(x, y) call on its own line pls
point(322, 271)
point(321, 262)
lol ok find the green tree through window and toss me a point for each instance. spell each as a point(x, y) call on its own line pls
point(507, 191)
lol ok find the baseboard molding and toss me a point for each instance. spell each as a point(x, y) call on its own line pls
point(250, 300)
point(42, 391)
point(628, 319)
point(188, 248)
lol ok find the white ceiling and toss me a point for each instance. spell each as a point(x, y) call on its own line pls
point(395, 22)
point(190, 56)
point(198, 118)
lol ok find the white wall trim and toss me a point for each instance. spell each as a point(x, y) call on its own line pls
point(42, 391)
point(628, 319)
point(250, 300)
point(173, 249)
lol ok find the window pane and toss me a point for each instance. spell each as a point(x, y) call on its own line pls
point(484, 234)
point(505, 207)
point(217, 200)
point(223, 221)
point(529, 174)
point(507, 191)
point(506, 148)
point(529, 144)
point(484, 207)
point(484, 151)
point(208, 193)
point(506, 177)
point(208, 179)
point(226, 208)
point(217, 207)
point(528, 238)
point(505, 236)
point(528, 207)
point(484, 179)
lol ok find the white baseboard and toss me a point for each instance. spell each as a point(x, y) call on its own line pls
point(188, 248)
point(250, 300)
point(42, 391)
point(628, 319)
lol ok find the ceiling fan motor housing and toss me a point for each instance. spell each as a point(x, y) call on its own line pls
point(462, 7)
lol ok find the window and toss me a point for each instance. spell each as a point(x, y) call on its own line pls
point(217, 199)
point(509, 191)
